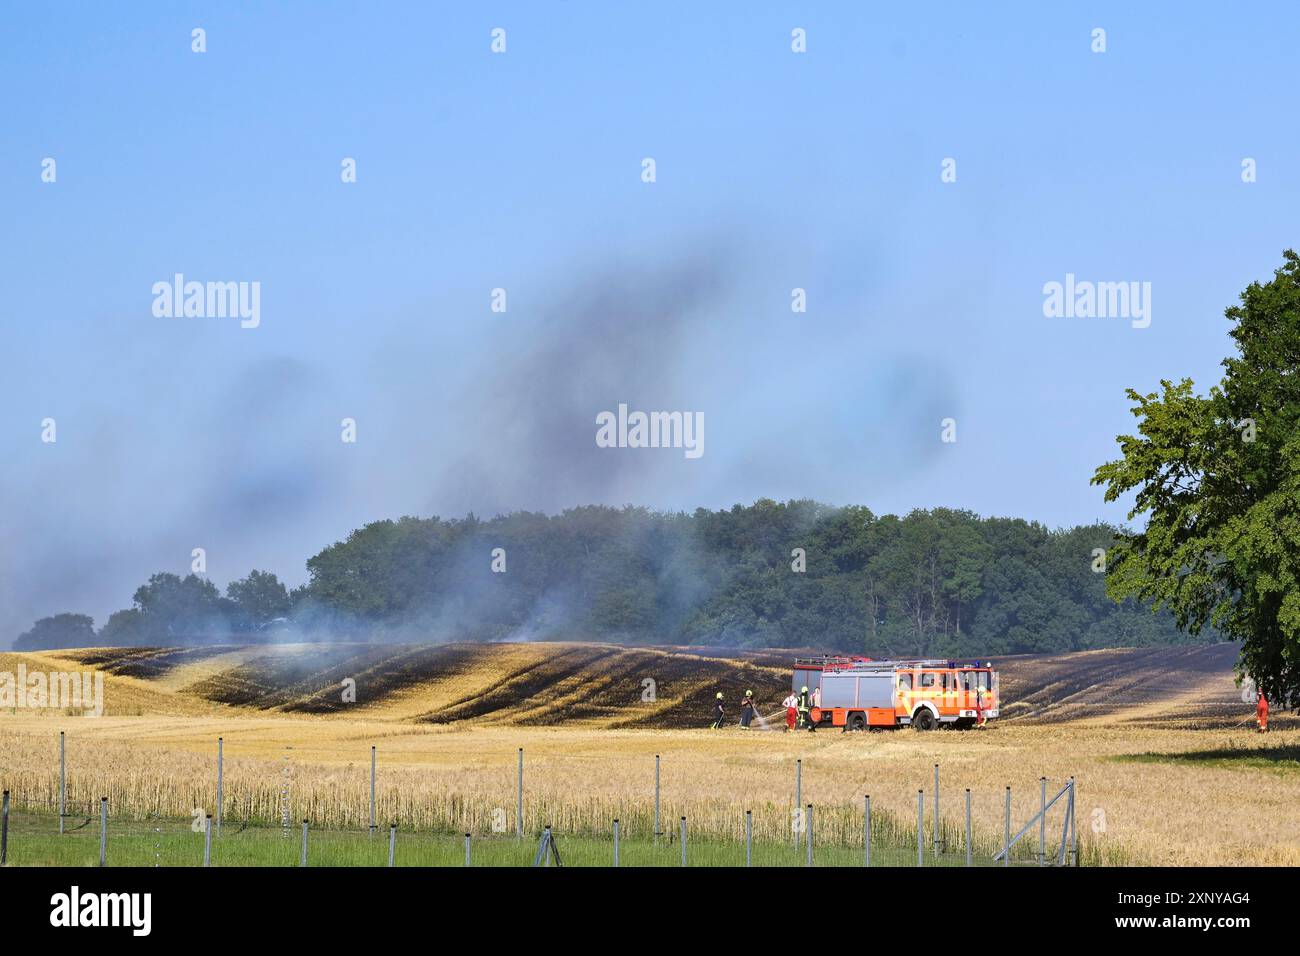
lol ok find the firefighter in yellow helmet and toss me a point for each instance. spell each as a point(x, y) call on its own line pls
point(719, 714)
point(804, 705)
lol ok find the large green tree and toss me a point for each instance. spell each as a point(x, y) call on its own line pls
point(61, 630)
point(176, 610)
point(258, 599)
point(1217, 479)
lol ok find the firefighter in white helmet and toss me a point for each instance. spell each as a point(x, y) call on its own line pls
point(746, 709)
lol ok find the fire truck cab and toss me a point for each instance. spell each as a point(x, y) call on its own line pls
point(858, 693)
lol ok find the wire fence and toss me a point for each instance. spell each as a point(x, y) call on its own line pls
point(60, 821)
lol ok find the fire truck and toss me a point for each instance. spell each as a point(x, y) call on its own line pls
point(858, 693)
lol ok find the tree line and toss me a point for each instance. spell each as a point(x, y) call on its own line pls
point(797, 574)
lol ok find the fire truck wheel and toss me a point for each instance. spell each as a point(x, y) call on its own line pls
point(924, 720)
point(857, 722)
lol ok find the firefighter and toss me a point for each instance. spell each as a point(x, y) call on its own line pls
point(719, 714)
point(815, 701)
point(791, 705)
point(1261, 713)
point(803, 706)
point(746, 710)
point(981, 718)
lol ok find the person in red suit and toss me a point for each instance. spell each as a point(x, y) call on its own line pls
point(1261, 714)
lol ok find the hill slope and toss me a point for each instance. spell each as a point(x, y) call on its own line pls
point(1176, 686)
point(609, 685)
point(530, 684)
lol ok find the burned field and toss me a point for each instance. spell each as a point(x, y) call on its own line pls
point(1186, 687)
point(525, 684)
point(550, 684)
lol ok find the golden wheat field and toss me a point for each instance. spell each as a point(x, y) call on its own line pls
point(1162, 778)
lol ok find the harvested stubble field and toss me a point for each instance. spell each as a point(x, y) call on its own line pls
point(1163, 775)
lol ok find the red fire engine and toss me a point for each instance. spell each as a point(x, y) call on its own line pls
point(858, 693)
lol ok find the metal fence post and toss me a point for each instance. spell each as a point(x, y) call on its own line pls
point(968, 851)
point(467, 857)
point(103, 831)
point(1006, 830)
point(866, 834)
point(808, 833)
point(546, 851)
point(519, 797)
point(392, 841)
point(4, 829)
point(656, 799)
point(616, 841)
point(303, 860)
point(920, 828)
point(63, 781)
point(219, 783)
point(1042, 823)
point(1065, 824)
point(683, 841)
point(207, 841)
point(373, 827)
point(1074, 826)
point(798, 797)
point(936, 808)
point(749, 837)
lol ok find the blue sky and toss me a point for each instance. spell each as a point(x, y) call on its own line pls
point(522, 170)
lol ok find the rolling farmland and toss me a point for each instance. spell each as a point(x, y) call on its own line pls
point(1168, 769)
